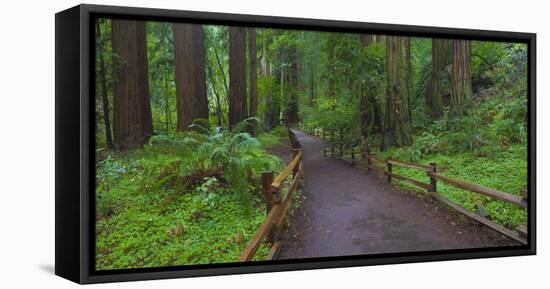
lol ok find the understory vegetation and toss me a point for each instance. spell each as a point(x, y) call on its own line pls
point(488, 147)
point(193, 197)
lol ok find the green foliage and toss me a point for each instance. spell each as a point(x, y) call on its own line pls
point(192, 196)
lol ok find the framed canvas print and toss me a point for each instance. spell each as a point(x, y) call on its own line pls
point(193, 144)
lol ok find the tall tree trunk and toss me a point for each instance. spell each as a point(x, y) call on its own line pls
point(253, 90)
point(440, 52)
point(189, 62)
point(132, 121)
point(237, 75)
point(103, 80)
point(397, 124)
point(461, 78)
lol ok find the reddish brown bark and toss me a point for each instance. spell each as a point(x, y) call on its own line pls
point(398, 124)
point(189, 63)
point(132, 121)
point(461, 77)
point(440, 56)
point(237, 75)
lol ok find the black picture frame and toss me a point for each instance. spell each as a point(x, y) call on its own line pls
point(74, 149)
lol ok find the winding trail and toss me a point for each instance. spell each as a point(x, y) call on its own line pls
point(349, 211)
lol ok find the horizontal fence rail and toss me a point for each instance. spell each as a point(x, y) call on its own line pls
point(277, 206)
point(335, 148)
point(513, 199)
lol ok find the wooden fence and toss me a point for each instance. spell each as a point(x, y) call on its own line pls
point(337, 150)
point(277, 204)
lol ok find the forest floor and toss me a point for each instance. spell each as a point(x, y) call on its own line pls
point(349, 211)
point(283, 150)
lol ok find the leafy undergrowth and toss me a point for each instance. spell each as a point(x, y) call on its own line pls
point(193, 198)
point(488, 147)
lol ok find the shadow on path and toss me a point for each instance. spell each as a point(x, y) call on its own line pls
point(349, 211)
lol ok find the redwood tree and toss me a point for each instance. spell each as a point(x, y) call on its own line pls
point(132, 119)
point(397, 124)
point(440, 59)
point(237, 75)
point(461, 77)
point(189, 62)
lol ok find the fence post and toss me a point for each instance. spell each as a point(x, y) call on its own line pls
point(389, 166)
point(272, 235)
point(433, 181)
point(267, 179)
point(296, 167)
point(352, 155)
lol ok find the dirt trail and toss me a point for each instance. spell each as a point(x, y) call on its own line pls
point(349, 211)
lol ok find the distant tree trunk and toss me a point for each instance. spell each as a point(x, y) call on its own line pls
point(103, 80)
point(237, 75)
point(222, 72)
point(370, 115)
point(366, 39)
point(216, 95)
point(143, 67)
point(461, 77)
point(292, 91)
point(440, 49)
point(313, 93)
point(269, 116)
point(253, 90)
point(189, 63)
point(132, 122)
point(168, 123)
point(397, 124)
point(330, 81)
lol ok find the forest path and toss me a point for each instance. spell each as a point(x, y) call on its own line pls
point(349, 211)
